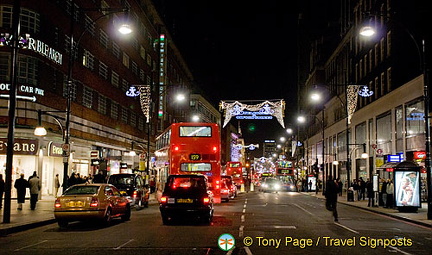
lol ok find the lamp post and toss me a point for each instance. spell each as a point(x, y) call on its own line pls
point(12, 110)
point(124, 29)
point(369, 31)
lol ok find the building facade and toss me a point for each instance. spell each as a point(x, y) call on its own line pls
point(105, 123)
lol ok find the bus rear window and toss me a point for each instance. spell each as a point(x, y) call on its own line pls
point(195, 167)
point(187, 131)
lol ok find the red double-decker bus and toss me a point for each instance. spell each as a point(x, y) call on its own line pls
point(190, 148)
point(235, 169)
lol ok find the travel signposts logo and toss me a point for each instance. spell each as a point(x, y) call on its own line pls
point(226, 242)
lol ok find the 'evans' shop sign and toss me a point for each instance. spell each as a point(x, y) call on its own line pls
point(21, 146)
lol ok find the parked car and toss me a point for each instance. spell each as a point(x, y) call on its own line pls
point(133, 187)
point(231, 185)
point(82, 202)
point(186, 196)
point(271, 185)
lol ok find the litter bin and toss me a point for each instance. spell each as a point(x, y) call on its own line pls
point(350, 195)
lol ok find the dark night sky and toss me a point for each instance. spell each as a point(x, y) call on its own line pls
point(238, 50)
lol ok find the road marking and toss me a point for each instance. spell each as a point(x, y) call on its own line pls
point(288, 227)
point(242, 218)
point(119, 247)
point(241, 231)
point(399, 250)
point(22, 248)
point(347, 228)
point(303, 209)
point(248, 252)
point(244, 210)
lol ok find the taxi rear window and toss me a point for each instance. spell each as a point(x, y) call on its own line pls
point(82, 190)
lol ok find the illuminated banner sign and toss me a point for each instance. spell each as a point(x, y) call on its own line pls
point(21, 146)
point(285, 164)
point(394, 158)
point(264, 110)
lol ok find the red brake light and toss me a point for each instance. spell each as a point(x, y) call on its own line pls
point(57, 203)
point(215, 148)
point(94, 202)
point(164, 199)
point(206, 200)
point(135, 194)
point(176, 148)
point(217, 185)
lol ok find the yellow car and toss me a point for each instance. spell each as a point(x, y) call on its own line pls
point(98, 201)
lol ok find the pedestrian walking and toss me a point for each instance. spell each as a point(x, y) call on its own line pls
point(21, 185)
point(383, 201)
point(56, 185)
point(362, 186)
point(2, 187)
point(390, 194)
point(370, 193)
point(34, 186)
point(331, 194)
point(340, 186)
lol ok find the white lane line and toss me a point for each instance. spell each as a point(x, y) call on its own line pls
point(25, 247)
point(347, 228)
point(241, 231)
point(244, 210)
point(242, 218)
point(397, 249)
point(248, 251)
point(119, 247)
point(303, 209)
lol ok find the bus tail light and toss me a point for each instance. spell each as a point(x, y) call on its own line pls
point(176, 148)
point(215, 148)
point(217, 184)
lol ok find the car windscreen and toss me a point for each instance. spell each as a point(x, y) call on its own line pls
point(121, 180)
point(82, 190)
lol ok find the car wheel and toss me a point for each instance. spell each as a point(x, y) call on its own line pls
point(62, 223)
point(107, 218)
point(127, 214)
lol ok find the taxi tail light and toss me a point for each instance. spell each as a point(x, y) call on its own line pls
point(164, 200)
point(57, 203)
point(206, 200)
point(94, 202)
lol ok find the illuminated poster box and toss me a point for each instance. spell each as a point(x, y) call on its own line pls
point(407, 188)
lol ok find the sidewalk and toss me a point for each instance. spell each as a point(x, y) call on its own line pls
point(42, 215)
point(419, 217)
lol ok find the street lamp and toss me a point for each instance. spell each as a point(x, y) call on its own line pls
point(369, 31)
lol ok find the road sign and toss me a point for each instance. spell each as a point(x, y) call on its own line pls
point(66, 147)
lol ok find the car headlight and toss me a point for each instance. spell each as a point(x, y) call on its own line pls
point(265, 185)
point(277, 186)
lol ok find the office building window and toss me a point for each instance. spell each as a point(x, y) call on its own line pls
point(114, 110)
point(88, 60)
point(29, 20)
point(27, 70)
point(115, 79)
point(133, 121)
point(125, 85)
point(125, 60)
point(103, 70)
point(116, 50)
point(135, 68)
point(72, 91)
point(103, 38)
point(383, 136)
point(102, 104)
point(89, 25)
point(124, 114)
point(88, 97)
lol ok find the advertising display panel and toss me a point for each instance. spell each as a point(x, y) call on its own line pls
point(311, 181)
point(407, 188)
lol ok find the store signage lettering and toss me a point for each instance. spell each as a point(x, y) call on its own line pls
point(45, 50)
point(20, 146)
point(55, 150)
point(23, 88)
point(416, 116)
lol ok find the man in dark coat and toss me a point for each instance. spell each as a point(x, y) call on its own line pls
point(370, 193)
point(21, 185)
point(331, 194)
